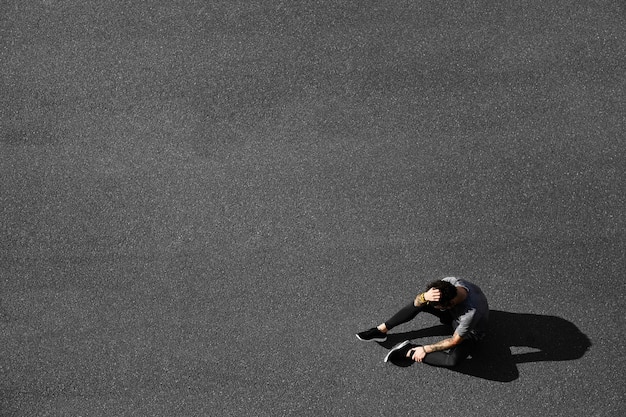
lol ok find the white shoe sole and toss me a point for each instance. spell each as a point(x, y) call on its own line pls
point(396, 348)
point(372, 340)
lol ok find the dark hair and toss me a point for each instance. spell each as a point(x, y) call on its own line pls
point(447, 290)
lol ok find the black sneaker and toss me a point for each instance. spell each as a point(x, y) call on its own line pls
point(372, 335)
point(399, 351)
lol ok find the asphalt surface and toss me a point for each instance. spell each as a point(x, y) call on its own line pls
point(202, 202)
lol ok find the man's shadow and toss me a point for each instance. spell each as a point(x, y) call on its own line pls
point(537, 338)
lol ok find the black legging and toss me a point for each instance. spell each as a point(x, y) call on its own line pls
point(447, 359)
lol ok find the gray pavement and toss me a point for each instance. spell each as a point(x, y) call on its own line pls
point(202, 202)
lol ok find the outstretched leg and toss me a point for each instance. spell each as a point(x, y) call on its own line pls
point(379, 333)
point(407, 313)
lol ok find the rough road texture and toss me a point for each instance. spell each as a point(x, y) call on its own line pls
point(202, 202)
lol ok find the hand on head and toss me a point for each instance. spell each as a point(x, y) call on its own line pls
point(433, 295)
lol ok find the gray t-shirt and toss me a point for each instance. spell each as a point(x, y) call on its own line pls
point(470, 318)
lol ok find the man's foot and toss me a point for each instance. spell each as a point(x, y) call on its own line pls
point(372, 335)
point(399, 351)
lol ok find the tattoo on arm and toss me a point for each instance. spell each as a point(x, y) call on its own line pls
point(443, 345)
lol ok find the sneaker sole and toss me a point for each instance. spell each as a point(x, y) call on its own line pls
point(395, 349)
point(376, 339)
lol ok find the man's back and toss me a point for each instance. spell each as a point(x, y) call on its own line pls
point(472, 315)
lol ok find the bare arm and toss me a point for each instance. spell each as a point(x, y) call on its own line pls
point(418, 353)
point(444, 344)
